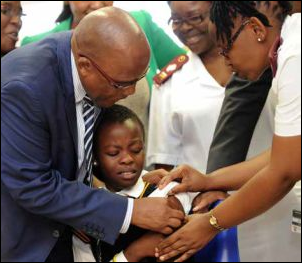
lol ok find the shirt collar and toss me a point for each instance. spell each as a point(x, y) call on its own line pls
point(78, 88)
point(134, 191)
point(195, 70)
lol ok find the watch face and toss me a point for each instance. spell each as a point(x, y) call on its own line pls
point(212, 220)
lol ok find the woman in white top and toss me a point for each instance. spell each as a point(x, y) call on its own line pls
point(246, 39)
point(193, 93)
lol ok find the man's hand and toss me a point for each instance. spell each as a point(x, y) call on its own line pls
point(154, 177)
point(191, 180)
point(143, 247)
point(202, 202)
point(187, 240)
point(156, 214)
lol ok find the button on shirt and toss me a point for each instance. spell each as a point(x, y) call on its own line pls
point(81, 171)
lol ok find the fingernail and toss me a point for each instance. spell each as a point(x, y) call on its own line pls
point(195, 209)
point(162, 258)
point(156, 255)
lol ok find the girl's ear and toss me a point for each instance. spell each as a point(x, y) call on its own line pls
point(259, 29)
point(95, 168)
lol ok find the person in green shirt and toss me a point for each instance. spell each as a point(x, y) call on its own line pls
point(163, 48)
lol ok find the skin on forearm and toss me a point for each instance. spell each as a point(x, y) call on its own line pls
point(267, 187)
point(257, 196)
point(235, 176)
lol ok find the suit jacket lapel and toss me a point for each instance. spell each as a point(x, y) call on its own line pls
point(65, 70)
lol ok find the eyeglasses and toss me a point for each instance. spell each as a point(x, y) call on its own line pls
point(224, 52)
point(8, 10)
point(194, 20)
point(112, 82)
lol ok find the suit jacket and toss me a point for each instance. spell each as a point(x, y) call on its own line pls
point(40, 194)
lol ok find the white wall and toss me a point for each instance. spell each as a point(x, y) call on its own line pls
point(41, 15)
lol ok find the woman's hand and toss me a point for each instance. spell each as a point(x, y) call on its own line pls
point(202, 202)
point(143, 247)
point(190, 179)
point(187, 240)
point(154, 177)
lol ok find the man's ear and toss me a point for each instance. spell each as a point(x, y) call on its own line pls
point(259, 29)
point(84, 66)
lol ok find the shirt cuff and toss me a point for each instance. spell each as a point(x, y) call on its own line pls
point(120, 257)
point(127, 222)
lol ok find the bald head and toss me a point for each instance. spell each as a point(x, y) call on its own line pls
point(114, 40)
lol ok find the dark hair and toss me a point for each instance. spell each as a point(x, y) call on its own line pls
point(223, 13)
point(280, 9)
point(65, 13)
point(114, 114)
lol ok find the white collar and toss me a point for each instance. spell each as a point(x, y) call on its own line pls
point(134, 191)
point(196, 70)
point(78, 88)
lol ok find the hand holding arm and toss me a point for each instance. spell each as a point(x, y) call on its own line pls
point(143, 247)
point(202, 202)
point(188, 239)
point(156, 214)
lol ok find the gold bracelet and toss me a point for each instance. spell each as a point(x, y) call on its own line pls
point(213, 221)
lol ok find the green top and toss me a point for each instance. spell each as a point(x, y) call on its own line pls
point(163, 48)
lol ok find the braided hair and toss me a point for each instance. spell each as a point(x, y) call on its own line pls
point(223, 13)
point(280, 9)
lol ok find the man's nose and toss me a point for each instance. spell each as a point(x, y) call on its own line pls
point(129, 90)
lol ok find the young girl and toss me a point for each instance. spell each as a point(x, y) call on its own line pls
point(119, 160)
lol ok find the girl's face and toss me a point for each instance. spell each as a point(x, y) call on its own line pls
point(81, 8)
point(11, 13)
point(120, 154)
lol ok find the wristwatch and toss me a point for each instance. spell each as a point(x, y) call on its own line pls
point(213, 222)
